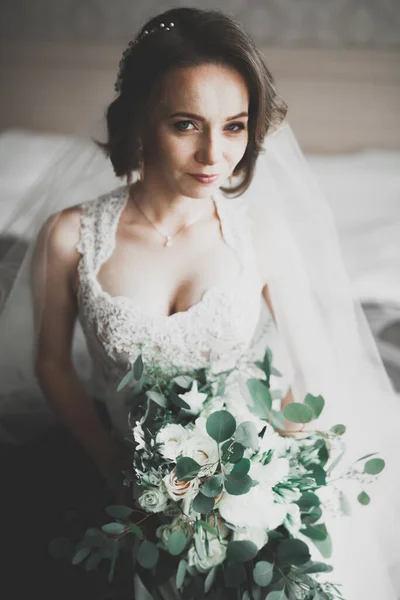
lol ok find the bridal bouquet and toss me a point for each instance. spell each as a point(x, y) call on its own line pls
point(221, 500)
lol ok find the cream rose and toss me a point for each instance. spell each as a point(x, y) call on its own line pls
point(153, 500)
point(216, 555)
point(204, 450)
point(171, 439)
point(177, 489)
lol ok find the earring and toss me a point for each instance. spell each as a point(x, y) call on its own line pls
point(141, 162)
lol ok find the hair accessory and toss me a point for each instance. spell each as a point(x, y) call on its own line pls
point(132, 43)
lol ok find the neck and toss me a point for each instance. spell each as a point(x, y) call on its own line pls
point(168, 210)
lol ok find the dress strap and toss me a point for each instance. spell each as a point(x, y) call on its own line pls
point(99, 221)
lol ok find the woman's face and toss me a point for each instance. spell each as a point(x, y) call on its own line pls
point(199, 128)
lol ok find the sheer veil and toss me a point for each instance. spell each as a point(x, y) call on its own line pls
point(328, 346)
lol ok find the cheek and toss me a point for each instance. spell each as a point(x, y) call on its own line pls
point(174, 149)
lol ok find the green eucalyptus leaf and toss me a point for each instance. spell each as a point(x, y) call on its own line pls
point(187, 468)
point(237, 483)
point(262, 400)
point(178, 401)
point(345, 506)
point(298, 413)
point(148, 554)
point(318, 473)
point(263, 573)
point(241, 551)
point(363, 498)
point(278, 419)
point(93, 538)
point(275, 372)
point(80, 556)
point(138, 367)
point(180, 573)
point(243, 466)
point(212, 487)
point(324, 546)
point(307, 500)
point(374, 466)
point(277, 595)
point(135, 529)
point(207, 527)
point(157, 398)
point(176, 542)
point(316, 403)
point(314, 567)
point(127, 378)
point(210, 579)
point(338, 429)
point(315, 532)
point(235, 452)
point(247, 435)
point(113, 528)
point(203, 504)
point(292, 552)
point(93, 561)
point(220, 425)
point(119, 511)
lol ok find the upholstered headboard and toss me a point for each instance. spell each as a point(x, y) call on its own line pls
point(339, 100)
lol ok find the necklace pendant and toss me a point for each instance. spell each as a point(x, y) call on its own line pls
point(168, 241)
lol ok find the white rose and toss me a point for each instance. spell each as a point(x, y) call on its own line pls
point(292, 520)
point(164, 531)
point(177, 489)
point(204, 450)
point(194, 398)
point(257, 535)
point(153, 500)
point(138, 436)
point(216, 555)
point(272, 441)
point(270, 474)
point(217, 403)
point(171, 438)
point(237, 406)
point(256, 509)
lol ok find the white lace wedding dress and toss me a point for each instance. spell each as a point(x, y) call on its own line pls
point(229, 326)
point(218, 331)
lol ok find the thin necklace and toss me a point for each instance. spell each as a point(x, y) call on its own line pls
point(167, 237)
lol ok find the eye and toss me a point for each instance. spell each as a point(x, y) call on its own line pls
point(178, 125)
point(240, 125)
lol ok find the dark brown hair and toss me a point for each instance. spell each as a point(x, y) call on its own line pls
point(198, 37)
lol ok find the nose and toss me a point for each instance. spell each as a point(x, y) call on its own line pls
point(210, 151)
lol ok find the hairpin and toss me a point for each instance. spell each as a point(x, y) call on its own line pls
point(132, 43)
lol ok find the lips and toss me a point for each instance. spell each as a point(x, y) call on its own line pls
point(205, 178)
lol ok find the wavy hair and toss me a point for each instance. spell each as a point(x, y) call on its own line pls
point(198, 37)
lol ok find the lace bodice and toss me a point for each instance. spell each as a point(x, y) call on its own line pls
point(216, 332)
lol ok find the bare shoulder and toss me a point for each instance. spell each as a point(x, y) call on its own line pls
point(60, 234)
point(56, 246)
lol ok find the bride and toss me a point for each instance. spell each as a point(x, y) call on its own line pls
point(180, 264)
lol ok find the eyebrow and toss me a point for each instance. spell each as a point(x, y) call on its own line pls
point(199, 118)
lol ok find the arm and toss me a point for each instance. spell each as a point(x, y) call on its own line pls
point(54, 263)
